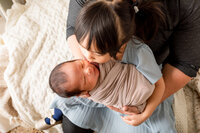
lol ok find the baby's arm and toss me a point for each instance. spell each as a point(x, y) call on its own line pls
point(152, 103)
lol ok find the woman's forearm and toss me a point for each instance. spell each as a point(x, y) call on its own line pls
point(174, 80)
point(73, 45)
point(152, 103)
point(155, 98)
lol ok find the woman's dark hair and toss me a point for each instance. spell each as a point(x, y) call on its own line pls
point(110, 23)
point(149, 19)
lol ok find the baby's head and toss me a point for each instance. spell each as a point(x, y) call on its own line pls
point(74, 78)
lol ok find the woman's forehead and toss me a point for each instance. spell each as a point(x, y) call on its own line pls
point(85, 43)
point(93, 49)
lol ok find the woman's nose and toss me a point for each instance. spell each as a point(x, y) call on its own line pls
point(89, 57)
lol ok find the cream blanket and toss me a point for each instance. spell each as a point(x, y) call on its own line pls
point(187, 107)
point(121, 84)
point(8, 115)
point(36, 41)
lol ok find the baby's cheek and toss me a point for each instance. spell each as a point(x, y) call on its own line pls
point(92, 82)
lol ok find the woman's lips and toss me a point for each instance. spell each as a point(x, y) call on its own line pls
point(95, 64)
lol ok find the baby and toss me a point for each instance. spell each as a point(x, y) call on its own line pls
point(112, 83)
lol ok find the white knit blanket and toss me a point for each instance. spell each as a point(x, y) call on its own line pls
point(36, 41)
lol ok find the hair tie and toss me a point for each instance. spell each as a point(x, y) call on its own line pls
point(136, 9)
point(135, 6)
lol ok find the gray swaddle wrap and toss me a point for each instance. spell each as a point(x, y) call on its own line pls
point(121, 84)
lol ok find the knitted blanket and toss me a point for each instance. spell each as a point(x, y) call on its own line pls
point(121, 84)
point(36, 41)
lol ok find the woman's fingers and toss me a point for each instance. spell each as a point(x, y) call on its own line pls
point(128, 110)
point(116, 109)
point(133, 117)
point(131, 109)
point(130, 122)
point(133, 120)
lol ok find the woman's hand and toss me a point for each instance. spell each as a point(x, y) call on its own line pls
point(133, 117)
point(128, 110)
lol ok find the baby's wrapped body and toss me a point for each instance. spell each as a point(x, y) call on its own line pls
point(121, 84)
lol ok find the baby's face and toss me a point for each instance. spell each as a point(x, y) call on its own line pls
point(82, 75)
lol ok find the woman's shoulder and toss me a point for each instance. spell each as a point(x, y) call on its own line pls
point(180, 10)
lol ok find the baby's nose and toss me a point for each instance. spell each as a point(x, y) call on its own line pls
point(88, 70)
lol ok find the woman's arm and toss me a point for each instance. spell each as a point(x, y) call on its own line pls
point(174, 80)
point(152, 103)
point(141, 56)
point(73, 45)
point(74, 8)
